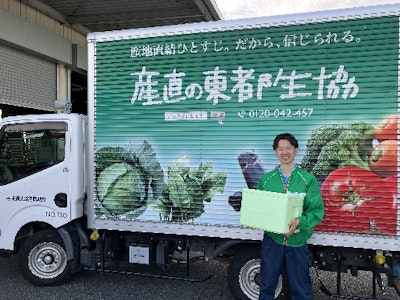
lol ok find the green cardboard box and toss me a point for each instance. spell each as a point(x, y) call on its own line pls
point(269, 211)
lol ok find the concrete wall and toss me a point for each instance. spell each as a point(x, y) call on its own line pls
point(28, 29)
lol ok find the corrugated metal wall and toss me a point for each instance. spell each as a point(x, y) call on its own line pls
point(26, 80)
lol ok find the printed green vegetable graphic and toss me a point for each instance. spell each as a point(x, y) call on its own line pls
point(335, 146)
point(187, 189)
point(131, 179)
point(357, 169)
point(128, 179)
point(120, 188)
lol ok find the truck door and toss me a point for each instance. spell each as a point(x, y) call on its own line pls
point(35, 176)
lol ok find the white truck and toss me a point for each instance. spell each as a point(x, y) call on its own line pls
point(181, 119)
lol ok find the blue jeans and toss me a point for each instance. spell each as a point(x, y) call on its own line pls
point(273, 256)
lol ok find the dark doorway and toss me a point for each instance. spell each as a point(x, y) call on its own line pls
point(79, 92)
point(11, 110)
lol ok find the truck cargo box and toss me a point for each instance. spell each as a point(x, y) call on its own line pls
point(182, 118)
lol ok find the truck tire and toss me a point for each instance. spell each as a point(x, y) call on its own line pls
point(42, 259)
point(244, 275)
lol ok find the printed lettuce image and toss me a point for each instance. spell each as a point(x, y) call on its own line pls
point(187, 189)
point(128, 179)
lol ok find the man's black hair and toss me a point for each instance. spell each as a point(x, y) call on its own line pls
point(285, 136)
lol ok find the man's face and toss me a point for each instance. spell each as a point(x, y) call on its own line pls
point(285, 152)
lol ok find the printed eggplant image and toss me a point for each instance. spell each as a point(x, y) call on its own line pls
point(252, 171)
point(251, 168)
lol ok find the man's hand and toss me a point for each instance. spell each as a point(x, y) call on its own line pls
point(293, 224)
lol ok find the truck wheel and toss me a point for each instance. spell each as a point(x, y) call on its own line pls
point(42, 259)
point(244, 275)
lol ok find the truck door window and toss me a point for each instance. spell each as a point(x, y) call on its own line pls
point(29, 148)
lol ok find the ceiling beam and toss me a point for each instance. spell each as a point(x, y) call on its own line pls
point(54, 14)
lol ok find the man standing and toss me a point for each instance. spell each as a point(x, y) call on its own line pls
point(290, 247)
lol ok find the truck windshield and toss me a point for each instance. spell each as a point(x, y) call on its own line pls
point(29, 148)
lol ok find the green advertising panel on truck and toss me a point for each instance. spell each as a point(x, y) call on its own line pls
point(198, 110)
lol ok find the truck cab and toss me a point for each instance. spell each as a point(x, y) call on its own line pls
point(41, 173)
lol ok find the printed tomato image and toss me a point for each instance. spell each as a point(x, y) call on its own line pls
point(386, 128)
point(358, 201)
point(383, 159)
point(392, 184)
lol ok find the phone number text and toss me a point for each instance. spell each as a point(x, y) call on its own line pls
point(276, 113)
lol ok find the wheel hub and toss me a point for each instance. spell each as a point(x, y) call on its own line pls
point(47, 260)
point(250, 279)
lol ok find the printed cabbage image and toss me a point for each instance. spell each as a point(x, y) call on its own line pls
point(128, 179)
point(121, 189)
